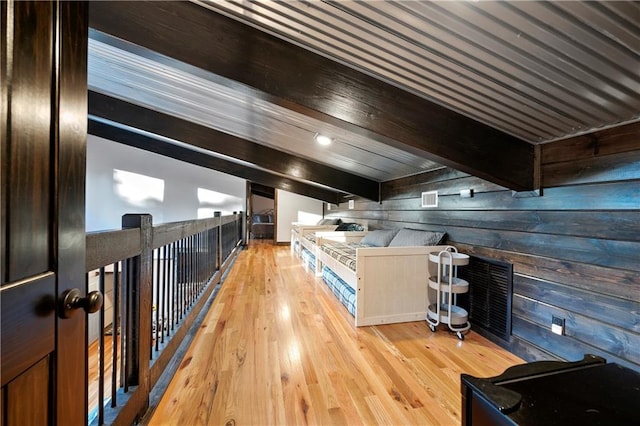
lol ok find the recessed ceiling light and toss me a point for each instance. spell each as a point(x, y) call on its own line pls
point(322, 139)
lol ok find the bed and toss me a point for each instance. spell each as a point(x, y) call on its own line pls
point(387, 282)
point(345, 231)
point(309, 247)
point(262, 225)
point(298, 230)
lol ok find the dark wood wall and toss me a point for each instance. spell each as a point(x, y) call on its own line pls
point(575, 249)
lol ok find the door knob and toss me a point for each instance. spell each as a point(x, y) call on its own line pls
point(72, 300)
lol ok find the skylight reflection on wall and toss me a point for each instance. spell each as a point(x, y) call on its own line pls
point(212, 201)
point(138, 190)
point(207, 196)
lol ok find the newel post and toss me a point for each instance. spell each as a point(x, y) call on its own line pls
point(138, 319)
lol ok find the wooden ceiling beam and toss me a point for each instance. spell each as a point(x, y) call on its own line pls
point(148, 143)
point(138, 117)
point(262, 190)
point(290, 76)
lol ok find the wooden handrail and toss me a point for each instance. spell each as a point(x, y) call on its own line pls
point(169, 232)
point(107, 247)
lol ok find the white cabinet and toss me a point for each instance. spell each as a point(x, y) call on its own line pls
point(448, 286)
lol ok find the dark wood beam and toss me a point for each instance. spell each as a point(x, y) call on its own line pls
point(213, 140)
point(262, 190)
point(148, 143)
point(624, 138)
point(607, 155)
point(314, 85)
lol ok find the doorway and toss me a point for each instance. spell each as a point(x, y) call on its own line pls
point(262, 212)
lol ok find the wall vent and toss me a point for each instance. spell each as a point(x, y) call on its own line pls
point(430, 199)
point(490, 294)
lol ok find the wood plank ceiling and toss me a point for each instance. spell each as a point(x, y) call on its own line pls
point(401, 86)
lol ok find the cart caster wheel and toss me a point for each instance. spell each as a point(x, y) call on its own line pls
point(460, 335)
point(432, 328)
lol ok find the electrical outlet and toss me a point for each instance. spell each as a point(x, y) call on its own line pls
point(557, 325)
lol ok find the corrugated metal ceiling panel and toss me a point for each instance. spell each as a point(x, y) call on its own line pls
point(538, 70)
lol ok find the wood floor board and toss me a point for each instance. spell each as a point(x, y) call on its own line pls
point(276, 348)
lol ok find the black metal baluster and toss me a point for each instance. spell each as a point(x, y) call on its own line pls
point(126, 313)
point(168, 287)
point(194, 274)
point(172, 267)
point(181, 284)
point(199, 267)
point(101, 354)
point(190, 277)
point(164, 290)
point(155, 294)
point(115, 332)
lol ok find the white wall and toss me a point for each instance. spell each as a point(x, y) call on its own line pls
point(261, 204)
point(169, 189)
point(295, 208)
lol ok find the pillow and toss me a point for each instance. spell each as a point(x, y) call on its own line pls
point(329, 221)
point(346, 226)
point(379, 238)
point(415, 237)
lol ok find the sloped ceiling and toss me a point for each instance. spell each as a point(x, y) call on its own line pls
point(403, 87)
point(194, 95)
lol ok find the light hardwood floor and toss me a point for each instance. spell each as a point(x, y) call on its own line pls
point(276, 348)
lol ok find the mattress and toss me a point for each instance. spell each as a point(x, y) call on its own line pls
point(343, 291)
point(344, 253)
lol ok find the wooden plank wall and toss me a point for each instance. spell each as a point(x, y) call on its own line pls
point(575, 249)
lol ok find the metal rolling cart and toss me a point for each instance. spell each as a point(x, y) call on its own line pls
point(447, 286)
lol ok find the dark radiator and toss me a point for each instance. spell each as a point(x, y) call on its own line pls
point(489, 297)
